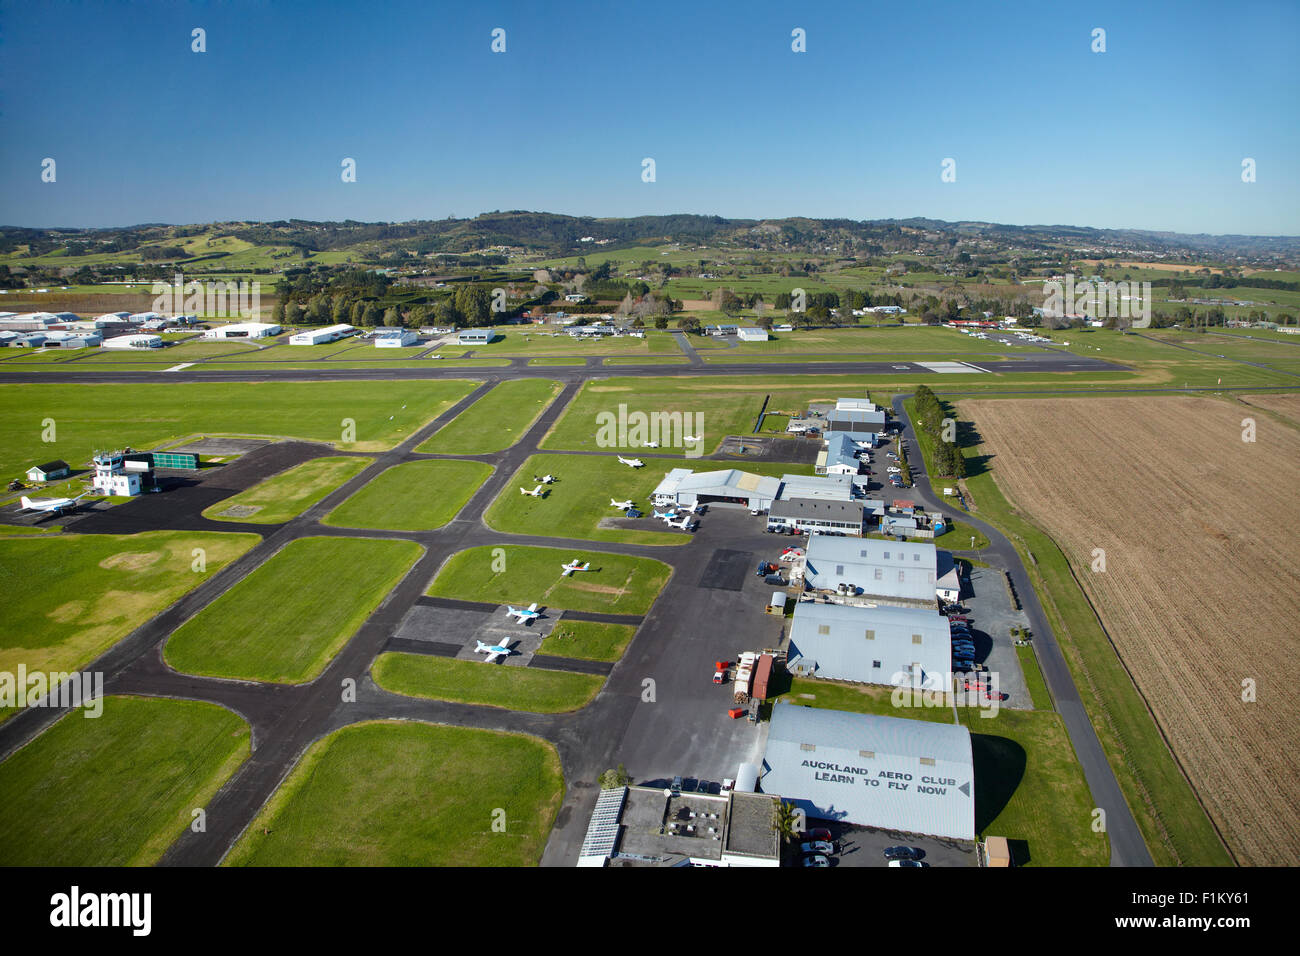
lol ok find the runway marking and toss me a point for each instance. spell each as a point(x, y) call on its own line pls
point(179, 368)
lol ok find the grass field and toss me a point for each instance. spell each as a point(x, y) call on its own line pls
point(588, 640)
point(119, 789)
point(496, 421)
point(87, 417)
point(431, 795)
point(474, 682)
point(854, 698)
point(616, 583)
point(1030, 789)
point(412, 496)
point(69, 598)
point(285, 622)
point(290, 493)
point(1188, 657)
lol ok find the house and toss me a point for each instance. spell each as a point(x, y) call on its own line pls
point(839, 457)
point(575, 297)
point(50, 471)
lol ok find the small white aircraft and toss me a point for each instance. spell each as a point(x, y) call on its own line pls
point(622, 505)
point(56, 505)
point(535, 493)
point(525, 615)
point(684, 524)
point(493, 651)
point(668, 515)
point(650, 444)
point(631, 462)
point(692, 439)
point(575, 565)
point(545, 479)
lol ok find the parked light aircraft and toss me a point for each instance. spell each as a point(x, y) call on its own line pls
point(545, 479)
point(574, 565)
point(631, 462)
point(57, 505)
point(525, 615)
point(535, 493)
point(621, 505)
point(493, 651)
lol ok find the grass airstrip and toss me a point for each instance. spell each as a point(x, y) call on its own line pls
point(518, 574)
point(409, 794)
point(290, 493)
point(496, 421)
point(492, 685)
point(68, 598)
point(116, 790)
point(285, 621)
point(412, 496)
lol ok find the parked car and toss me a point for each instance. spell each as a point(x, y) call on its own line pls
point(907, 863)
point(894, 470)
point(819, 833)
point(816, 861)
point(902, 853)
point(817, 846)
point(633, 513)
point(719, 677)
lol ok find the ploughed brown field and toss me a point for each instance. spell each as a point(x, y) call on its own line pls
point(1200, 591)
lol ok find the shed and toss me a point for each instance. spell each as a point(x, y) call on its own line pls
point(49, 471)
point(777, 604)
point(997, 851)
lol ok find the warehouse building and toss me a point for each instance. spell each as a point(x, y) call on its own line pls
point(474, 336)
point(898, 646)
point(812, 514)
point(138, 341)
point(243, 330)
point(751, 334)
point(828, 487)
point(855, 420)
point(892, 773)
point(682, 486)
point(331, 333)
point(886, 572)
point(395, 338)
point(839, 457)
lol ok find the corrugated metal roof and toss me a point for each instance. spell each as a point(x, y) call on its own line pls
point(888, 568)
point(846, 642)
point(868, 769)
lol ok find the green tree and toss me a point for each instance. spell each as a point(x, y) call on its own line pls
point(784, 820)
point(613, 779)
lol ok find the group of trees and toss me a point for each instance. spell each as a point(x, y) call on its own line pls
point(933, 418)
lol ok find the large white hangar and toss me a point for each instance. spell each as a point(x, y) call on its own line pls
point(914, 776)
point(870, 645)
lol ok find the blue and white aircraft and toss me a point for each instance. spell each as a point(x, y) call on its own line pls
point(493, 651)
point(525, 615)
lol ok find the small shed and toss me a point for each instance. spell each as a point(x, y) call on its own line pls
point(777, 604)
point(997, 851)
point(50, 471)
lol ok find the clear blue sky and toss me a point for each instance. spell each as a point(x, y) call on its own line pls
point(1150, 134)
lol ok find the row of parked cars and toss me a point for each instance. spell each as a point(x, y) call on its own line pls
point(963, 639)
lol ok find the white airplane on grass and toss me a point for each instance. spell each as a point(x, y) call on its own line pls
point(650, 444)
point(545, 479)
point(574, 565)
point(631, 462)
point(622, 505)
point(493, 651)
point(56, 505)
point(535, 493)
point(525, 615)
point(692, 439)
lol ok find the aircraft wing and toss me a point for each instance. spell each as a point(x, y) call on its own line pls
point(532, 607)
point(493, 655)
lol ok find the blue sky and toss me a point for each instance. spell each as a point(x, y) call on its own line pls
point(1150, 134)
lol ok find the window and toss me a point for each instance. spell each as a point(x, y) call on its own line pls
point(916, 638)
point(916, 557)
point(807, 746)
point(839, 569)
point(901, 576)
point(875, 664)
point(886, 555)
point(927, 761)
point(879, 574)
point(823, 628)
point(869, 754)
point(871, 634)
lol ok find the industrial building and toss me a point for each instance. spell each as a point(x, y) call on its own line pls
point(138, 341)
point(648, 826)
point(50, 471)
point(887, 572)
point(839, 457)
point(813, 514)
point(682, 486)
point(751, 334)
point(243, 330)
point(898, 646)
point(331, 333)
point(828, 487)
point(892, 773)
point(855, 420)
point(474, 336)
point(395, 338)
